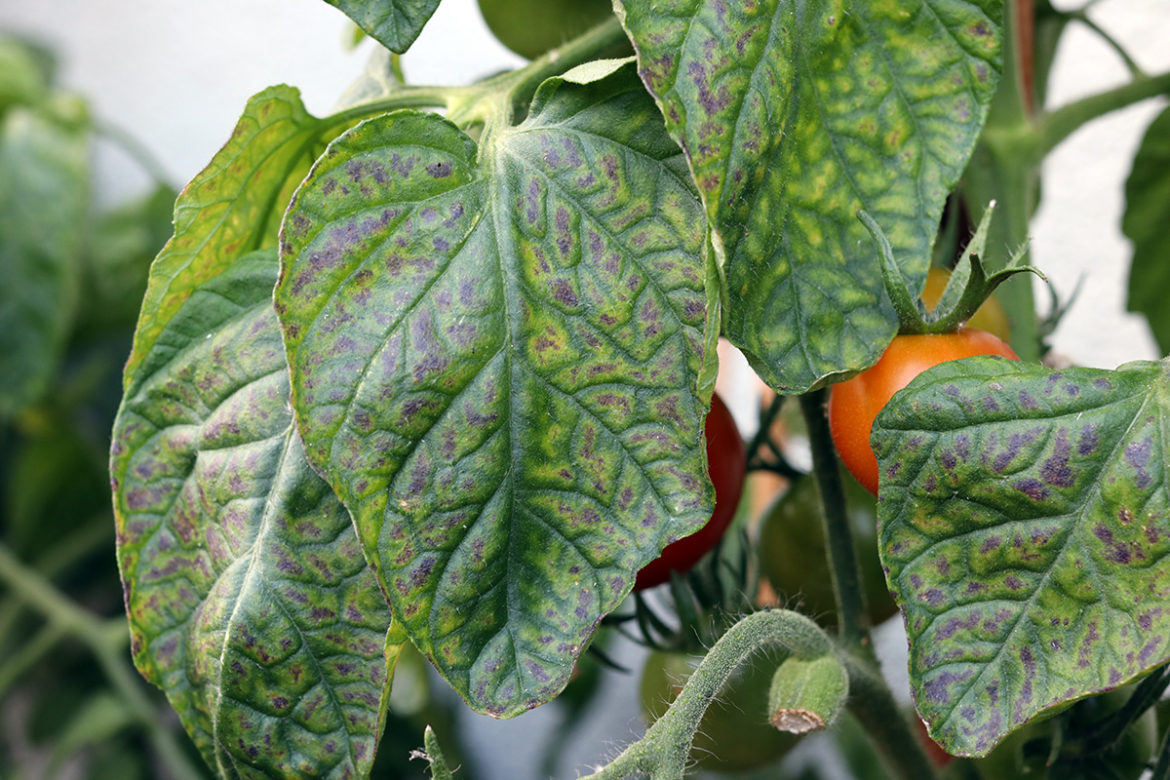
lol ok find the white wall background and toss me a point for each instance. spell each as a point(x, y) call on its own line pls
point(177, 74)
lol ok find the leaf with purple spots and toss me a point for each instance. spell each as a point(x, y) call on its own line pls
point(393, 23)
point(794, 116)
point(250, 602)
point(1025, 528)
point(483, 342)
point(231, 207)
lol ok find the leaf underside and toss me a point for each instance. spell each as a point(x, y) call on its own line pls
point(794, 116)
point(232, 207)
point(250, 602)
point(1024, 528)
point(495, 363)
point(393, 23)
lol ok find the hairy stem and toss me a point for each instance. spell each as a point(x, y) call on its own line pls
point(663, 752)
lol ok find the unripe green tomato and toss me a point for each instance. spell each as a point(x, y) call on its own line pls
point(532, 27)
point(792, 552)
point(734, 734)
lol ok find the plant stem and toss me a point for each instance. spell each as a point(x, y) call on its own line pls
point(846, 573)
point(407, 97)
point(1061, 123)
point(871, 701)
point(1004, 168)
point(663, 752)
point(70, 550)
point(106, 640)
point(1082, 16)
point(475, 103)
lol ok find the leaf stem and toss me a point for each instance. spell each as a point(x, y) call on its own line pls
point(477, 102)
point(1061, 123)
point(1082, 16)
point(663, 752)
point(70, 550)
point(28, 654)
point(846, 573)
point(106, 640)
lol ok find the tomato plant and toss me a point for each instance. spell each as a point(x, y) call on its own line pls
point(854, 403)
point(989, 317)
point(418, 387)
point(726, 464)
point(734, 735)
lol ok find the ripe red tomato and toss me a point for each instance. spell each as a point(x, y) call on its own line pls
point(727, 465)
point(855, 403)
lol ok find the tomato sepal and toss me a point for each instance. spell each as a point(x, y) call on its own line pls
point(969, 286)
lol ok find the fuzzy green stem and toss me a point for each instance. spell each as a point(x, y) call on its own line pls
point(846, 572)
point(106, 640)
point(663, 752)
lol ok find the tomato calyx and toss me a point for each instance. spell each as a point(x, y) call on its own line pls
point(969, 286)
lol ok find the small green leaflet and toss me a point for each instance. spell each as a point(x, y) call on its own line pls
point(250, 602)
point(1024, 527)
point(393, 23)
point(233, 206)
point(794, 116)
point(1147, 213)
point(44, 202)
point(496, 358)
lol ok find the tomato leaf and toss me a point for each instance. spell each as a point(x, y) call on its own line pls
point(1147, 212)
point(393, 23)
point(496, 355)
point(1024, 528)
point(230, 208)
point(250, 602)
point(793, 117)
point(44, 198)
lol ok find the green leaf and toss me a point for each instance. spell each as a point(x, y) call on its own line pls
point(496, 355)
point(1024, 527)
point(44, 197)
point(1147, 213)
point(250, 602)
point(230, 208)
point(794, 116)
point(393, 23)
